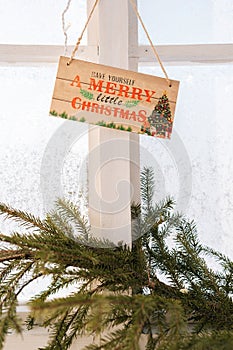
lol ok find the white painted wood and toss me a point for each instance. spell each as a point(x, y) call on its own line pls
point(170, 54)
point(187, 54)
point(38, 337)
point(114, 161)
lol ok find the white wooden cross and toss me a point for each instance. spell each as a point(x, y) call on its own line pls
point(114, 157)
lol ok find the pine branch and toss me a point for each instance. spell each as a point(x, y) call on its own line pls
point(147, 189)
point(24, 219)
point(68, 210)
point(116, 289)
point(7, 255)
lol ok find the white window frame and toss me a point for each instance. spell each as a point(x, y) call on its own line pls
point(169, 54)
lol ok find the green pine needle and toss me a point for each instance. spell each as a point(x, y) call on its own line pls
point(165, 293)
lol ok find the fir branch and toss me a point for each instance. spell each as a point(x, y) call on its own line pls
point(69, 211)
point(24, 219)
point(147, 189)
point(7, 255)
point(118, 289)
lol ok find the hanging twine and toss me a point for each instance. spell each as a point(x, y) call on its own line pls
point(150, 41)
point(81, 36)
point(143, 26)
point(65, 27)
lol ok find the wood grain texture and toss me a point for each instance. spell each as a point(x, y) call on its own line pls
point(102, 94)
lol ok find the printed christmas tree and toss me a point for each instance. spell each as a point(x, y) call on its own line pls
point(161, 117)
point(163, 107)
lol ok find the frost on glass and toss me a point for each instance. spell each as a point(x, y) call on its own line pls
point(40, 22)
point(204, 123)
point(28, 140)
point(187, 22)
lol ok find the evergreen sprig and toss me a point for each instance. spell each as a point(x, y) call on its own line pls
point(164, 293)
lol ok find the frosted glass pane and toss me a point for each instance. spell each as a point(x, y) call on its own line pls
point(40, 21)
point(201, 183)
point(35, 147)
point(187, 21)
point(38, 159)
point(168, 21)
point(43, 157)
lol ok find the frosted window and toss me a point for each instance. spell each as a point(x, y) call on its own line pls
point(168, 21)
point(39, 162)
point(44, 157)
point(41, 156)
point(204, 124)
point(187, 21)
point(39, 21)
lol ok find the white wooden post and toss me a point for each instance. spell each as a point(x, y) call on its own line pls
point(114, 160)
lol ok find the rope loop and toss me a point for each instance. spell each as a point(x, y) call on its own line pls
point(143, 26)
point(150, 41)
point(83, 31)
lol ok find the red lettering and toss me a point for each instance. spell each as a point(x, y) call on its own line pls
point(108, 111)
point(96, 86)
point(116, 110)
point(123, 90)
point(142, 116)
point(149, 94)
point(133, 116)
point(101, 109)
point(95, 108)
point(136, 93)
point(86, 105)
point(76, 101)
point(124, 114)
point(110, 88)
point(76, 82)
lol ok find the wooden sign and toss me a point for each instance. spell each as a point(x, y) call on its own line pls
point(114, 98)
